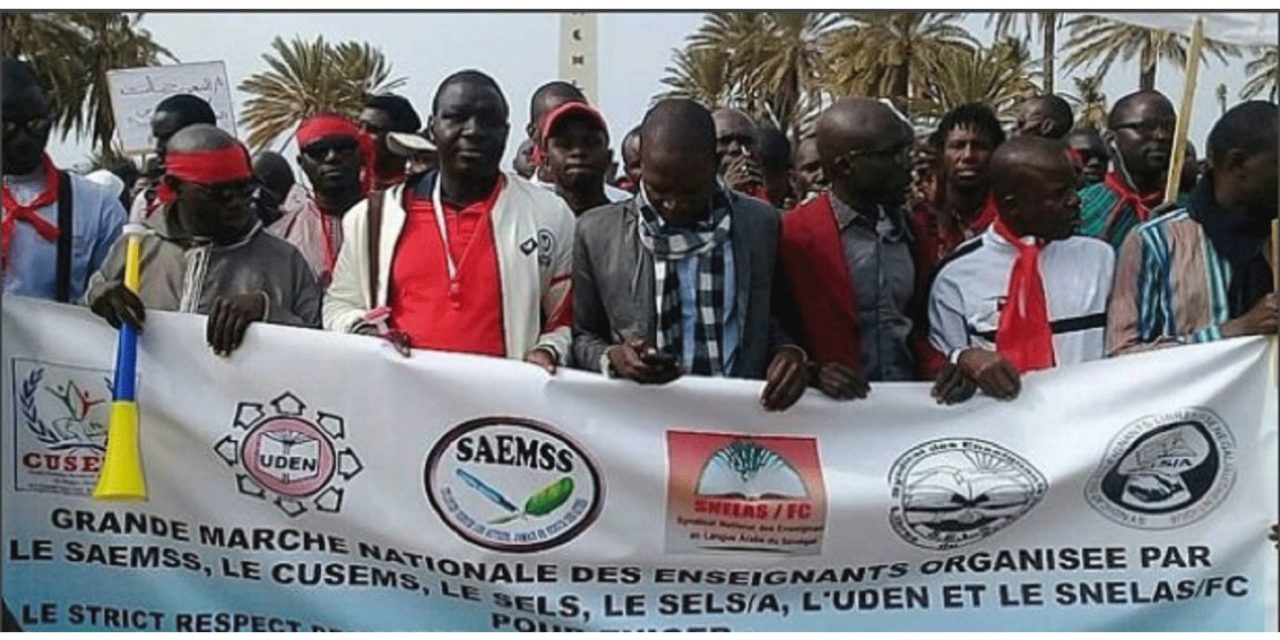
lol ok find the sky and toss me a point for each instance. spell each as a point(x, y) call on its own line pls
point(520, 51)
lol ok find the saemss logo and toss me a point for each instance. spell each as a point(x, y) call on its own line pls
point(512, 484)
point(1165, 471)
point(283, 455)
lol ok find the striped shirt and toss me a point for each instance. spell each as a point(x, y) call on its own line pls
point(969, 294)
point(1104, 215)
point(1171, 287)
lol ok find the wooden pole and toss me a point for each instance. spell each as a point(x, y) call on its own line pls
point(1178, 154)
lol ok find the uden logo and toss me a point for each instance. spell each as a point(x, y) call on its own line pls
point(512, 484)
point(1165, 471)
point(292, 460)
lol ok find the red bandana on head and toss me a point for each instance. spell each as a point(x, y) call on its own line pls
point(1024, 335)
point(208, 167)
point(30, 212)
point(331, 125)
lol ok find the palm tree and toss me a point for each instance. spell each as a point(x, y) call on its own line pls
point(1045, 23)
point(1001, 76)
point(1089, 102)
point(306, 78)
point(885, 53)
point(702, 74)
point(1099, 40)
point(72, 53)
point(1263, 72)
point(777, 58)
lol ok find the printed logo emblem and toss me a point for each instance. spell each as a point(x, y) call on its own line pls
point(951, 492)
point(283, 456)
point(528, 246)
point(1165, 471)
point(512, 484)
point(546, 246)
point(60, 430)
point(733, 492)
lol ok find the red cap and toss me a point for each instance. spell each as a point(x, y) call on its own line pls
point(557, 115)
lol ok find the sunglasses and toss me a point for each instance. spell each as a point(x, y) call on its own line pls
point(38, 126)
point(320, 150)
point(227, 190)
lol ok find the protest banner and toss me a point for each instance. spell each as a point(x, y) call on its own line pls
point(136, 92)
point(320, 481)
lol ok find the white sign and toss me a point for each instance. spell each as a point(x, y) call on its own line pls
point(578, 52)
point(136, 92)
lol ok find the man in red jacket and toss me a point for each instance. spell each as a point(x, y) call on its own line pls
point(847, 253)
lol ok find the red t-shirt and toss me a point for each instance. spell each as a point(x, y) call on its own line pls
point(464, 316)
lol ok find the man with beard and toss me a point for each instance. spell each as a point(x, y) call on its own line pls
point(1089, 152)
point(57, 227)
point(680, 278)
point(463, 259)
point(383, 114)
point(807, 178)
point(1201, 273)
point(1140, 135)
point(738, 153)
point(337, 160)
point(1028, 294)
point(577, 154)
point(847, 256)
point(214, 258)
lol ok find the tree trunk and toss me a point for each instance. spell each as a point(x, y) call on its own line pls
point(1050, 48)
point(1147, 68)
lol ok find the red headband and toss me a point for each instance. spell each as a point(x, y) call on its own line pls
point(214, 166)
point(335, 126)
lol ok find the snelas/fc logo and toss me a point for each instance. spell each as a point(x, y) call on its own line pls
point(1165, 471)
point(512, 484)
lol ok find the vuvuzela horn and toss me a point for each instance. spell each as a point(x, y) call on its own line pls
point(121, 477)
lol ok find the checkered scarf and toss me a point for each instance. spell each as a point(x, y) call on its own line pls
point(669, 245)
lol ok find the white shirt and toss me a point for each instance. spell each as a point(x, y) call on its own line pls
point(611, 192)
point(970, 288)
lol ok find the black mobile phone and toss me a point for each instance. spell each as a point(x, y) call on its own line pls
point(657, 358)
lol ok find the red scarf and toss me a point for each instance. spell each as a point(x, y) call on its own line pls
point(813, 261)
point(30, 212)
point(1024, 336)
point(1142, 203)
point(209, 167)
point(336, 126)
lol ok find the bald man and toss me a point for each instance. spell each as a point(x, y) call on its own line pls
point(680, 279)
point(1140, 135)
point(847, 256)
point(738, 153)
point(1027, 294)
point(215, 258)
point(1047, 116)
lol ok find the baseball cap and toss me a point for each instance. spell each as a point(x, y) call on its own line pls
point(409, 144)
point(569, 109)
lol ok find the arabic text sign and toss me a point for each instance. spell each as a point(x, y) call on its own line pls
point(136, 92)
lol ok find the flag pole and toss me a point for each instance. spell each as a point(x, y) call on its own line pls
point(1192, 71)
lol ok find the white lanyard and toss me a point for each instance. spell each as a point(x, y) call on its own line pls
point(438, 208)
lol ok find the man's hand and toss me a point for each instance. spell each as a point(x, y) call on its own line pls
point(994, 375)
point(838, 381)
point(742, 172)
point(952, 386)
point(785, 380)
point(397, 339)
point(637, 360)
point(118, 304)
point(230, 318)
point(542, 357)
point(1261, 320)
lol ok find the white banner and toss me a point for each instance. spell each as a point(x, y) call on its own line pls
point(135, 93)
point(320, 481)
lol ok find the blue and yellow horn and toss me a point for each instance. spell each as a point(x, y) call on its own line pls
point(121, 477)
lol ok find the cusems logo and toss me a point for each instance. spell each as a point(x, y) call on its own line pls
point(512, 484)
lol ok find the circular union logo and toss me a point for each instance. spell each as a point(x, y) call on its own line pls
point(512, 484)
point(288, 456)
point(951, 492)
point(1165, 471)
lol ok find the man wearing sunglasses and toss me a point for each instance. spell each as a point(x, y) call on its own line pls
point(337, 159)
point(847, 256)
point(1140, 135)
point(57, 227)
point(213, 257)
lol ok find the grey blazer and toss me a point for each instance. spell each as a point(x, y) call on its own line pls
point(613, 295)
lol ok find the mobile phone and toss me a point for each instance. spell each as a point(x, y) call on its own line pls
point(655, 358)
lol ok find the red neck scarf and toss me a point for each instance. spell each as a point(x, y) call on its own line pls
point(30, 212)
point(214, 166)
point(1024, 336)
point(1142, 203)
point(336, 126)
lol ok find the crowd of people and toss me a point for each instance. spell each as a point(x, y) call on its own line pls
point(717, 246)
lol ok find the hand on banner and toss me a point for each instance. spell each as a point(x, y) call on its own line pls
point(1261, 320)
point(838, 381)
point(952, 386)
point(542, 357)
point(118, 304)
point(230, 317)
point(996, 376)
point(638, 360)
point(785, 380)
point(397, 339)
